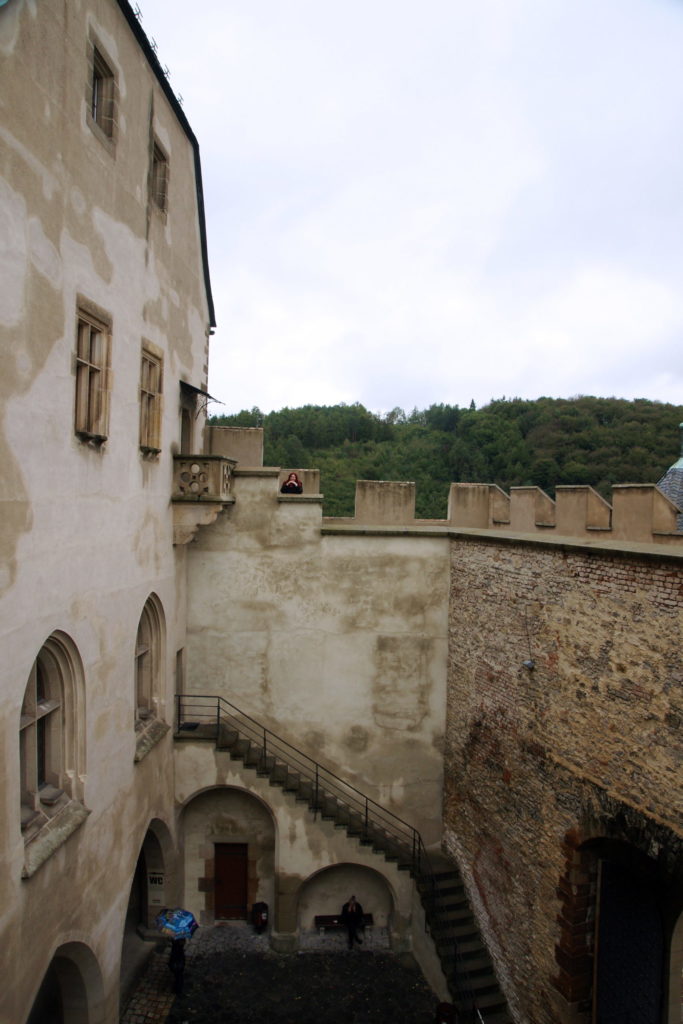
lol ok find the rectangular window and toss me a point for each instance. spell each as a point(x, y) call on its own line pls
point(151, 381)
point(103, 87)
point(92, 378)
point(159, 177)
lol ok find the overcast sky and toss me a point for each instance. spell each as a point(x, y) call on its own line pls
point(437, 201)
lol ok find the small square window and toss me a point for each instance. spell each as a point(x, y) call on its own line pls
point(102, 92)
point(159, 177)
point(91, 420)
point(151, 387)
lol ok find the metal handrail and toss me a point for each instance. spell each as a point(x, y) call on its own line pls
point(216, 711)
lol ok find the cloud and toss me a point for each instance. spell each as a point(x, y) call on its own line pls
point(412, 206)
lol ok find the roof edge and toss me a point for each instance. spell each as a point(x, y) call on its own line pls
point(153, 61)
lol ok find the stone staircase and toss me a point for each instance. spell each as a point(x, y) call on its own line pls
point(464, 959)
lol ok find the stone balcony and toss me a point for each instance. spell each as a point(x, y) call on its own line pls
point(202, 486)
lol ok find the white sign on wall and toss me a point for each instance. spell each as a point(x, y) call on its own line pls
point(155, 888)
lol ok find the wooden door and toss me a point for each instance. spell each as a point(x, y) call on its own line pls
point(230, 881)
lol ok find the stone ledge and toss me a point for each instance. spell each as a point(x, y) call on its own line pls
point(306, 499)
point(148, 738)
point(53, 835)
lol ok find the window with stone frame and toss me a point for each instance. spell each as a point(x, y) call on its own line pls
point(102, 93)
point(93, 353)
point(149, 676)
point(40, 740)
point(159, 177)
point(51, 750)
point(148, 657)
point(151, 389)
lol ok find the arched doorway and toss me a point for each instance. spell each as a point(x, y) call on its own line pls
point(150, 891)
point(615, 934)
point(229, 842)
point(71, 991)
point(629, 961)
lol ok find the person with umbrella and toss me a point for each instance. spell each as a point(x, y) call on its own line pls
point(178, 925)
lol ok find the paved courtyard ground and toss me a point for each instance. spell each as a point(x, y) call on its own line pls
point(232, 977)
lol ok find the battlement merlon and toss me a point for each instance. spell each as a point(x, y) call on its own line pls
point(639, 513)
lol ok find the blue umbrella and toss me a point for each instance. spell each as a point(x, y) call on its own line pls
point(176, 923)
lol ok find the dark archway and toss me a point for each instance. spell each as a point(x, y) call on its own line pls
point(147, 896)
point(71, 991)
point(615, 933)
point(629, 961)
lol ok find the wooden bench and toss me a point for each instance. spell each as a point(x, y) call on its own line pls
point(333, 922)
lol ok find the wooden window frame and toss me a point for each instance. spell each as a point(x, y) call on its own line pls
point(151, 398)
point(92, 368)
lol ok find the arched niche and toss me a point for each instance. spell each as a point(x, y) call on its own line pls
point(71, 991)
point(327, 890)
point(229, 838)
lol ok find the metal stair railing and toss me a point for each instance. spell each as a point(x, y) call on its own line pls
point(214, 717)
point(211, 717)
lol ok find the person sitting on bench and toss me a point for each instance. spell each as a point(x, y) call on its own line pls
point(352, 919)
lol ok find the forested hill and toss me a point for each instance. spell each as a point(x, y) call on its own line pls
point(510, 442)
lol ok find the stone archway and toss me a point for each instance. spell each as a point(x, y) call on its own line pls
point(614, 937)
point(328, 889)
point(71, 991)
point(151, 890)
point(229, 842)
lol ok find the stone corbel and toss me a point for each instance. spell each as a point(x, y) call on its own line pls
point(189, 516)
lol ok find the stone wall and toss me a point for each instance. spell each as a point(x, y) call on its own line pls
point(581, 745)
point(334, 640)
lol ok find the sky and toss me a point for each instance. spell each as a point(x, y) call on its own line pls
point(436, 202)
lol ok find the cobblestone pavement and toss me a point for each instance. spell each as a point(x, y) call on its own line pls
point(233, 976)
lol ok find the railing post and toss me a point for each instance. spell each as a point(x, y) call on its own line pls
point(177, 712)
point(366, 817)
point(218, 721)
point(315, 795)
point(265, 748)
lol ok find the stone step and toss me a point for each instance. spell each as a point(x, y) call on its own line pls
point(292, 782)
point(473, 967)
point(239, 749)
point(227, 737)
point(455, 926)
point(265, 766)
point(305, 791)
point(253, 756)
point(278, 774)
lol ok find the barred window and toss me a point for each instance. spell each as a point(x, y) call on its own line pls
point(102, 94)
point(159, 177)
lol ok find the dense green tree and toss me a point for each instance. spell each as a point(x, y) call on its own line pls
point(509, 442)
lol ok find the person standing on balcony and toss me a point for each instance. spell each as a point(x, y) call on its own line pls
point(292, 485)
point(352, 919)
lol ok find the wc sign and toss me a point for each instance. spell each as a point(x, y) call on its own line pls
point(155, 888)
